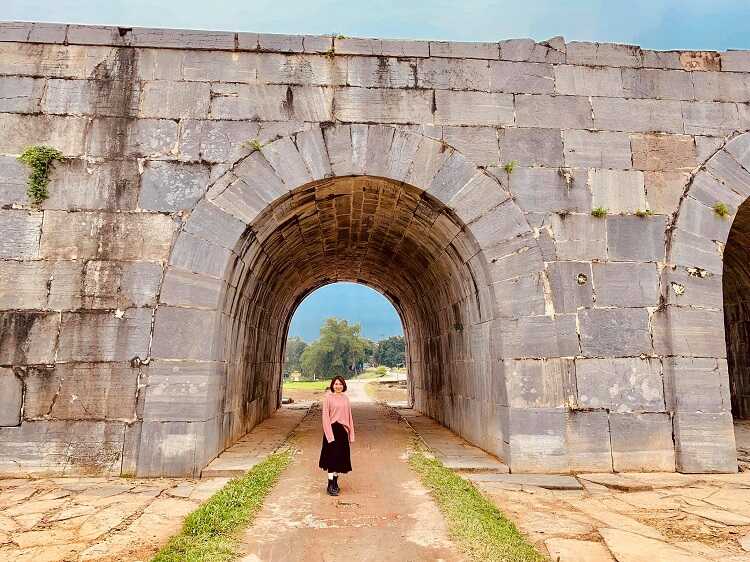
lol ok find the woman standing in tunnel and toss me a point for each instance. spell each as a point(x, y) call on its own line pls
point(338, 432)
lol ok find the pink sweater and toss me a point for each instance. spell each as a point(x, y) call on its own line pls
point(336, 408)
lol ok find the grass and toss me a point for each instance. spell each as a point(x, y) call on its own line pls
point(40, 159)
point(307, 385)
point(474, 522)
point(599, 212)
point(721, 209)
point(209, 533)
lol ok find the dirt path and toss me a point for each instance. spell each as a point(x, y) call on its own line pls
point(383, 512)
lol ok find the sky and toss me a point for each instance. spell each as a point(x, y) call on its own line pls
point(351, 301)
point(652, 24)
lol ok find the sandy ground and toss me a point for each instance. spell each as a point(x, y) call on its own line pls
point(382, 514)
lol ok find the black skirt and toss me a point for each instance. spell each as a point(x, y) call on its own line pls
point(335, 457)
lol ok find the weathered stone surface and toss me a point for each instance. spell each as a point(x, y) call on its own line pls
point(663, 152)
point(574, 550)
point(704, 442)
point(571, 285)
point(183, 391)
point(615, 332)
point(721, 86)
point(128, 236)
point(28, 338)
point(620, 385)
point(521, 77)
point(664, 190)
point(76, 184)
point(628, 547)
point(82, 391)
point(519, 296)
point(119, 285)
point(166, 186)
point(182, 288)
point(271, 102)
point(603, 54)
point(537, 440)
point(529, 50)
point(445, 74)
point(11, 397)
point(472, 108)
point(636, 115)
point(657, 84)
point(381, 105)
point(578, 236)
point(582, 81)
point(370, 72)
point(588, 441)
point(626, 284)
point(105, 335)
point(556, 112)
point(642, 442)
point(20, 94)
point(173, 326)
point(632, 238)
point(533, 383)
point(545, 189)
point(618, 191)
point(540, 336)
point(531, 147)
point(117, 138)
point(708, 118)
point(693, 384)
point(462, 50)
point(597, 149)
point(386, 47)
point(163, 98)
point(478, 144)
point(689, 332)
point(21, 231)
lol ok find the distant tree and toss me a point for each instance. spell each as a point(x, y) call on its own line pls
point(391, 351)
point(295, 346)
point(340, 350)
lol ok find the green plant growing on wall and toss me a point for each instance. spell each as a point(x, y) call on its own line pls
point(510, 166)
point(252, 144)
point(642, 213)
point(39, 158)
point(721, 209)
point(599, 212)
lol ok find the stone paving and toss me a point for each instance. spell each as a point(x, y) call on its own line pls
point(118, 519)
point(627, 517)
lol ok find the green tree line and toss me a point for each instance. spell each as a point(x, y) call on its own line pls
point(341, 350)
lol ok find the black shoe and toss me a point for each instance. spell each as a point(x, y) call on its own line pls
point(331, 491)
point(336, 485)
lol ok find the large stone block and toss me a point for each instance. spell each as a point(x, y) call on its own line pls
point(77, 184)
point(478, 144)
point(170, 186)
point(20, 232)
point(538, 336)
point(446, 74)
point(45, 448)
point(82, 391)
point(597, 149)
point(689, 332)
point(695, 384)
point(690, 250)
point(725, 167)
point(11, 397)
point(381, 47)
point(529, 50)
point(703, 221)
point(689, 287)
point(209, 222)
point(28, 338)
point(721, 86)
point(271, 102)
point(199, 256)
point(501, 223)
point(185, 333)
point(119, 285)
point(32, 32)
point(168, 99)
point(546, 189)
point(368, 72)
point(214, 140)
point(618, 191)
point(380, 105)
point(537, 440)
point(657, 84)
point(620, 385)
point(13, 176)
point(118, 138)
point(109, 97)
point(533, 383)
point(663, 152)
point(513, 258)
point(183, 288)
point(642, 442)
point(735, 61)
point(23, 284)
point(634, 115)
point(464, 50)
point(710, 118)
point(615, 332)
point(554, 112)
point(664, 190)
point(603, 54)
point(20, 94)
point(62, 61)
point(578, 236)
point(184, 391)
point(105, 335)
point(521, 77)
point(531, 147)
point(582, 81)
point(178, 448)
point(588, 441)
point(704, 442)
point(117, 236)
point(571, 285)
point(519, 296)
point(632, 238)
point(66, 134)
point(471, 108)
point(626, 284)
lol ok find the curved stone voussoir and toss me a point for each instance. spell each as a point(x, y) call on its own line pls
point(287, 162)
point(481, 193)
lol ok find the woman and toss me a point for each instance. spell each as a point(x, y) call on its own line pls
point(338, 432)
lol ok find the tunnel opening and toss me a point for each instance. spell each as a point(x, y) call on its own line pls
point(387, 235)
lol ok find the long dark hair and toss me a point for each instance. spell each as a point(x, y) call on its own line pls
point(334, 379)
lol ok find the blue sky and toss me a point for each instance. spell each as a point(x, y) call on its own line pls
point(654, 24)
point(356, 303)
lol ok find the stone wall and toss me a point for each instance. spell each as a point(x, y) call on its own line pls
point(214, 179)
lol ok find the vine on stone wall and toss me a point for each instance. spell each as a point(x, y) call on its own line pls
point(39, 158)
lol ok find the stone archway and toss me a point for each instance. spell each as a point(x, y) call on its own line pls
point(401, 212)
point(706, 267)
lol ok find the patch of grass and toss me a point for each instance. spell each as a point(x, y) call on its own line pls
point(307, 385)
point(510, 166)
point(478, 526)
point(252, 144)
point(209, 533)
point(721, 209)
point(39, 158)
point(599, 212)
point(642, 213)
